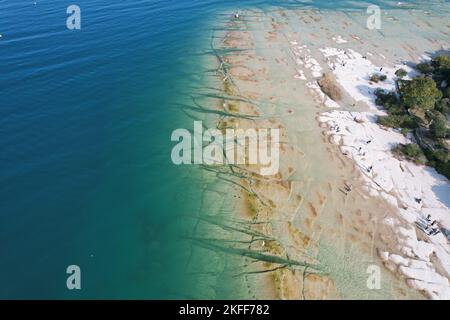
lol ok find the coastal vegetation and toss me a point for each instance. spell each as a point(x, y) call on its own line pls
point(421, 105)
point(401, 73)
point(410, 151)
point(378, 77)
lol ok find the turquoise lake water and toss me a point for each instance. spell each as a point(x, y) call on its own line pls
point(85, 123)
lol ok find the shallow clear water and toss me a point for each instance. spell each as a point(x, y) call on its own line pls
point(85, 124)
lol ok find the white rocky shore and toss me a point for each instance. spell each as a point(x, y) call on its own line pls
point(417, 191)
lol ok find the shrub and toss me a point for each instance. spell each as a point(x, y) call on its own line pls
point(446, 91)
point(438, 127)
point(384, 98)
point(401, 73)
point(443, 106)
point(409, 122)
point(420, 92)
point(397, 121)
point(440, 159)
point(395, 109)
point(441, 63)
point(389, 121)
point(443, 168)
point(411, 152)
point(374, 78)
point(440, 155)
point(424, 68)
point(389, 101)
point(378, 77)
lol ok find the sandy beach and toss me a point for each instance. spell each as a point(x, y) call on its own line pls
point(415, 191)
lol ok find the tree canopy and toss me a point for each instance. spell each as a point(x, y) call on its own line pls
point(401, 73)
point(420, 92)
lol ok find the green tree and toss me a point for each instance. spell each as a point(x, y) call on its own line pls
point(439, 126)
point(447, 91)
point(425, 68)
point(441, 63)
point(411, 152)
point(401, 73)
point(443, 106)
point(420, 92)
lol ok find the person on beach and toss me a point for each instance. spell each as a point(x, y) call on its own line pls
point(348, 187)
point(433, 226)
point(360, 152)
point(434, 231)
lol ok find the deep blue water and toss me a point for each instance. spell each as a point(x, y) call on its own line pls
point(85, 123)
